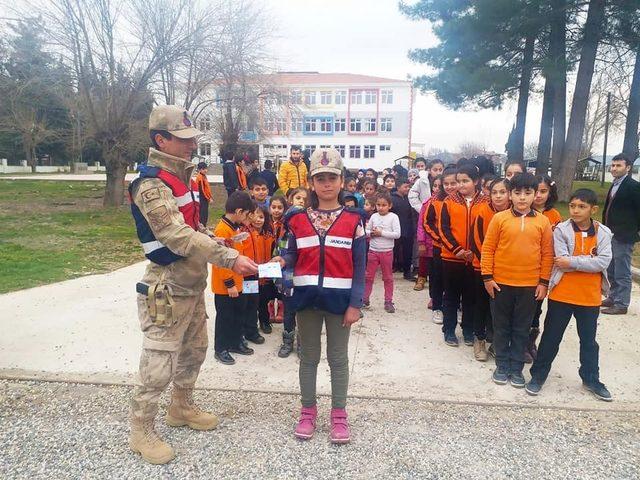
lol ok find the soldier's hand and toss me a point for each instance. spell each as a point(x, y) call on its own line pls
point(245, 266)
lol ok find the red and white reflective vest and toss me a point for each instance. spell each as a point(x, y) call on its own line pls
point(327, 261)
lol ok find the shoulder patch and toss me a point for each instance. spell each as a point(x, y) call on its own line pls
point(159, 217)
point(151, 194)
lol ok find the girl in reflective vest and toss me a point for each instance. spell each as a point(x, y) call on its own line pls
point(327, 251)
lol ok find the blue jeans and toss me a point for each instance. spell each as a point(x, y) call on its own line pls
point(619, 273)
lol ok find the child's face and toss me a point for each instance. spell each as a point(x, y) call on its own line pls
point(413, 177)
point(370, 175)
point(382, 206)
point(580, 211)
point(276, 209)
point(403, 189)
point(369, 207)
point(437, 185)
point(299, 199)
point(500, 196)
point(420, 166)
point(450, 184)
point(241, 216)
point(466, 185)
point(248, 220)
point(436, 170)
point(390, 183)
point(542, 195)
point(203, 171)
point(257, 219)
point(512, 170)
point(522, 199)
point(350, 203)
point(260, 192)
point(327, 186)
point(350, 186)
point(369, 189)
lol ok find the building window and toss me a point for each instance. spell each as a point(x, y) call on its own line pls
point(308, 150)
point(385, 124)
point(341, 97)
point(325, 146)
point(310, 98)
point(296, 124)
point(369, 151)
point(340, 149)
point(296, 97)
point(340, 125)
point(325, 98)
point(354, 151)
point(269, 124)
point(370, 97)
point(355, 125)
point(310, 125)
point(387, 96)
point(325, 124)
point(370, 125)
point(385, 148)
point(281, 124)
point(356, 97)
point(205, 149)
point(205, 124)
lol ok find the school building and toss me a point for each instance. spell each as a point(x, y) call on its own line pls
point(368, 119)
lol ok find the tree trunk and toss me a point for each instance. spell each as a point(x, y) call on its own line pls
point(515, 152)
point(630, 148)
point(546, 129)
point(591, 38)
point(116, 172)
point(558, 53)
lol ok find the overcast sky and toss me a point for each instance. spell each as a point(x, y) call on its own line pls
point(373, 38)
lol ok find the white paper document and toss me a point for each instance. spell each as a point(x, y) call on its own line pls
point(270, 270)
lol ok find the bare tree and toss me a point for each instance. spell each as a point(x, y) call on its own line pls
point(470, 149)
point(108, 45)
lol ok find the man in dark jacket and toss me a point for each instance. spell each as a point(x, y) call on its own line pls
point(229, 173)
point(622, 215)
point(403, 252)
point(270, 177)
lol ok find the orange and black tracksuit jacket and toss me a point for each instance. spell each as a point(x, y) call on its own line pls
point(480, 224)
point(455, 225)
point(277, 227)
point(432, 221)
point(223, 278)
point(553, 215)
point(260, 248)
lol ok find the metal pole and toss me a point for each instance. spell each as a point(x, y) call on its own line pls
point(606, 140)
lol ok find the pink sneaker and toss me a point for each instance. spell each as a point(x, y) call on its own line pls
point(307, 423)
point(339, 426)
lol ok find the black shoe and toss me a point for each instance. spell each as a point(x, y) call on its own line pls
point(242, 349)
point(451, 339)
point(599, 390)
point(266, 327)
point(607, 302)
point(224, 357)
point(257, 339)
point(614, 311)
point(409, 277)
point(533, 387)
point(468, 339)
point(500, 376)
point(287, 344)
point(516, 380)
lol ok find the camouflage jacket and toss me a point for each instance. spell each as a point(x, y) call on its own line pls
point(187, 276)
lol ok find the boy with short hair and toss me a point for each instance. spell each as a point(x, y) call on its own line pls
point(227, 285)
point(583, 253)
point(516, 262)
point(270, 177)
point(260, 191)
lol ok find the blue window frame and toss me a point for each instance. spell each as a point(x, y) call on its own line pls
point(318, 125)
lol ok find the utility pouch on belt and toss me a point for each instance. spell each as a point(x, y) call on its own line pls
point(159, 303)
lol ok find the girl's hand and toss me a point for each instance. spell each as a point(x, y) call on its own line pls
point(468, 255)
point(280, 260)
point(461, 254)
point(491, 287)
point(564, 263)
point(233, 292)
point(351, 316)
point(541, 292)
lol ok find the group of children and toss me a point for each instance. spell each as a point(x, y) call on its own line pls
point(485, 243)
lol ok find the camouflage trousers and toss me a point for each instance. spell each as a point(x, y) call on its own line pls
point(173, 352)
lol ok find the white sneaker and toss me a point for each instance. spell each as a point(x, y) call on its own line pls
point(437, 317)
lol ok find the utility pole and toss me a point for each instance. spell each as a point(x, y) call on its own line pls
point(606, 140)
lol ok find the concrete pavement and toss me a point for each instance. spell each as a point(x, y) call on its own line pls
point(86, 329)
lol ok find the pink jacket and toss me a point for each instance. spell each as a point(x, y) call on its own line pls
point(422, 236)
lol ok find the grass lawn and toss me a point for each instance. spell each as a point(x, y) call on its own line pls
point(54, 230)
point(563, 208)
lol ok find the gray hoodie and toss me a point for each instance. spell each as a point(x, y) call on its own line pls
point(564, 240)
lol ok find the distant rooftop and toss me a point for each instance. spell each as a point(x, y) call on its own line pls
point(296, 78)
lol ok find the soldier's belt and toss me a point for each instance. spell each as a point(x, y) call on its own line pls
point(159, 303)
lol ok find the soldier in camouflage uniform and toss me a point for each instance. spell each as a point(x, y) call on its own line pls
point(171, 306)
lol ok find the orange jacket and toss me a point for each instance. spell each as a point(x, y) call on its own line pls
point(203, 187)
point(242, 177)
point(455, 224)
point(553, 215)
point(223, 278)
point(432, 221)
point(518, 249)
point(481, 220)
